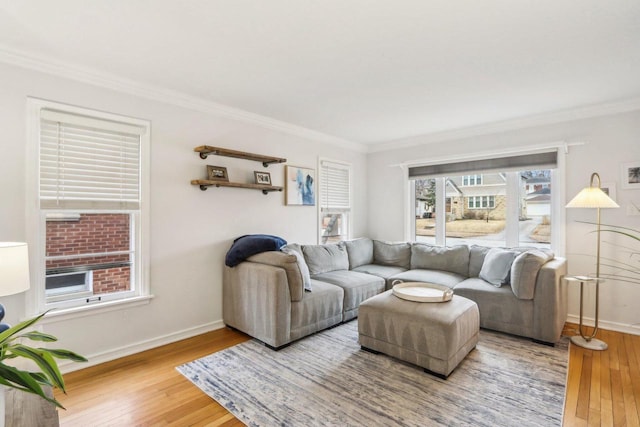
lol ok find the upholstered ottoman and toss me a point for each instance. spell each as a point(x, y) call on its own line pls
point(434, 336)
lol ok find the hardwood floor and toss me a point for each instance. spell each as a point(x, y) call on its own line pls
point(603, 388)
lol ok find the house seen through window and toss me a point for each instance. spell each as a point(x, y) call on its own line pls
point(478, 211)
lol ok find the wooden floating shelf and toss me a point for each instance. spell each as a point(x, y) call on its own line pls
point(205, 183)
point(206, 150)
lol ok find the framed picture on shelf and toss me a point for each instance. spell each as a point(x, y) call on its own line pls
point(630, 175)
point(299, 186)
point(609, 189)
point(262, 178)
point(217, 173)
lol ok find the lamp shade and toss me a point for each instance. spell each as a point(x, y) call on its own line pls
point(592, 197)
point(14, 268)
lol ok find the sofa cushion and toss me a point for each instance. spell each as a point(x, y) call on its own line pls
point(499, 308)
point(497, 266)
point(392, 254)
point(323, 258)
point(438, 277)
point(524, 271)
point(302, 266)
point(317, 310)
point(245, 246)
point(454, 259)
point(384, 271)
point(476, 258)
point(360, 252)
point(357, 288)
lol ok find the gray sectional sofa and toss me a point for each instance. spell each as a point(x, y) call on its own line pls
point(264, 296)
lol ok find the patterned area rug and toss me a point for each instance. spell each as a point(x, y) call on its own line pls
point(326, 380)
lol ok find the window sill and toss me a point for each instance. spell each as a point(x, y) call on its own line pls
point(60, 315)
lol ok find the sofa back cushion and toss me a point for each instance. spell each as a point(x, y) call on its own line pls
point(524, 271)
point(454, 259)
point(476, 258)
point(360, 252)
point(324, 258)
point(392, 254)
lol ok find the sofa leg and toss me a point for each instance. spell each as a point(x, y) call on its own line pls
point(435, 374)
point(369, 350)
point(548, 344)
point(270, 347)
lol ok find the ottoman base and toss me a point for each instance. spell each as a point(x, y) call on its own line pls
point(434, 336)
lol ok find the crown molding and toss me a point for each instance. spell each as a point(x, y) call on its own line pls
point(512, 124)
point(48, 65)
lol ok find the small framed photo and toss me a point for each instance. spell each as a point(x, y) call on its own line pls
point(217, 173)
point(262, 178)
point(609, 189)
point(630, 176)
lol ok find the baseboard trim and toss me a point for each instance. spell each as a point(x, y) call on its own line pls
point(633, 329)
point(116, 353)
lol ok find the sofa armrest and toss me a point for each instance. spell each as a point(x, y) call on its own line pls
point(256, 301)
point(550, 301)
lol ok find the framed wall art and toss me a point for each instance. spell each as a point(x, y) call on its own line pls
point(217, 173)
point(262, 178)
point(630, 175)
point(299, 186)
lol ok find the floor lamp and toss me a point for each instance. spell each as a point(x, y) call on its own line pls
point(592, 197)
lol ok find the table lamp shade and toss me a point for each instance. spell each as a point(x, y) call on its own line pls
point(14, 268)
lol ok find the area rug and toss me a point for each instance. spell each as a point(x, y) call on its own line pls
point(327, 380)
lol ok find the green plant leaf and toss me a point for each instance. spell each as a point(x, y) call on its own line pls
point(38, 336)
point(65, 354)
point(44, 361)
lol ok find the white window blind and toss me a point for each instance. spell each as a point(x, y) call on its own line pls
point(88, 163)
point(335, 187)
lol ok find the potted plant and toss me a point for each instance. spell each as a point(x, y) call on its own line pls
point(47, 374)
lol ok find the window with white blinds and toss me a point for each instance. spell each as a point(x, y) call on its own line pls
point(335, 201)
point(335, 186)
point(88, 163)
point(92, 191)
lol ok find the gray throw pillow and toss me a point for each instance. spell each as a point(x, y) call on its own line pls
point(497, 266)
point(302, 266)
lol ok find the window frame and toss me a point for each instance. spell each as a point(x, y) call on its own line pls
point(36, 301)
point(416, 168)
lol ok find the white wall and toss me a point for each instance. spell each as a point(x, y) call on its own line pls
point(191, 230)
point(610, 141)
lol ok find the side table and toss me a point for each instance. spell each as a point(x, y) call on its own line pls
point(584, 340)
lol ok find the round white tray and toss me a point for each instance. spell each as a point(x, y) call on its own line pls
point(422, 292)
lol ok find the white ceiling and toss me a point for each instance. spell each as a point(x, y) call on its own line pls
point(366, 71)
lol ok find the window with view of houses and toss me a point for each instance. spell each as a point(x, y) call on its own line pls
point(477, 208)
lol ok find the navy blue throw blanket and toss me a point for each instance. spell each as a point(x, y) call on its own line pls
point(245, 246)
